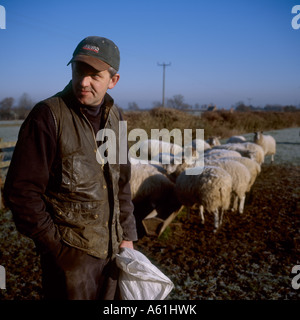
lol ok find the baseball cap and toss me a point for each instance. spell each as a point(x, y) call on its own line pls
point(98, 52)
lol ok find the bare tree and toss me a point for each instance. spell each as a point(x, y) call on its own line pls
point(133, 106)
point(177, 102)
point(24, 106)
point(156, 104)
point(6, 112)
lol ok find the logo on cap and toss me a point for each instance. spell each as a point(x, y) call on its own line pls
point(91, 48)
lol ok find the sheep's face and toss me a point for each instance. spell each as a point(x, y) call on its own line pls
point(257, 136)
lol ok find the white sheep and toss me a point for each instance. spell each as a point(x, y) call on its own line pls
point(151, 148)
point(213, 141)
point(236, 139)
point(141, 173)
point(197, 142)
point(253, 167)
point(135, 161)
point(150, 189)
point(167, 163)
point(211, 189)
point(170, 162)
point(267, 142)
point(216, 153)
point(256, 152)
point(240, 180)
point(246, 149)
point(173, 169)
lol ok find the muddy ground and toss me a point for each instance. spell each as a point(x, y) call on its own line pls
point(251, 256)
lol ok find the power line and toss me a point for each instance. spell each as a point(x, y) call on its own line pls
point(164, 65)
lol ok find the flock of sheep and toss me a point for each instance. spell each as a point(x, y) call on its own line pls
point(228, 174)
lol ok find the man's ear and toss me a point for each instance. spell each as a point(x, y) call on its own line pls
point(113, 81)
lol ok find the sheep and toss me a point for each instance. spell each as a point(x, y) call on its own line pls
point(214, 153)
point(169, 162)
point(142, 173)
point(267, 142)
point(213, 141)
point(166, 162)
point(240, 179)
point(246, 149)
point(211, 189)
point(135, 161)
point(256, 152)
point(196, 143)
point(236, 139)
point(150, 189)
point(173, 169)
point(151, 148)
point(154, 163)
point(253, 167)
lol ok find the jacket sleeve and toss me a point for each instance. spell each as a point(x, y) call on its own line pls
point(28, 176)
point(127, 218)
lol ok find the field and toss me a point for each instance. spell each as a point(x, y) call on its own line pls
point(251, 256)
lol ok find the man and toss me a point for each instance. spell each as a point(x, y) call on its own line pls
point(78, 211)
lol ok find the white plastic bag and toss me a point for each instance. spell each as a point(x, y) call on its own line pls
point(139, 279)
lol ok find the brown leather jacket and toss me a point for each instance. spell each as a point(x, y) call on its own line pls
point(81, 198)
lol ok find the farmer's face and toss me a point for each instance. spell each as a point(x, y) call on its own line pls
point(89, 84)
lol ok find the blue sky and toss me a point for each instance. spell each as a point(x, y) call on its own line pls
point(220, 51)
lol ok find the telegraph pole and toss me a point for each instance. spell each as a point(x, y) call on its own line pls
point(164, 65)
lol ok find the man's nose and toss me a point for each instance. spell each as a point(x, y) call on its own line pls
point(85, 81)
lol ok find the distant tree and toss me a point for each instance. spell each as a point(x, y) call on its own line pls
point(240, 106)
point(133, 106)
point(275, 107)
point(156, 104)
point(289, 108)
point(24, 106)
point(177, 102)
point(6, 112)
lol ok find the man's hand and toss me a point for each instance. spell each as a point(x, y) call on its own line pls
point(126, 244)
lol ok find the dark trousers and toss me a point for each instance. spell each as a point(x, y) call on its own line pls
point(72, 274)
